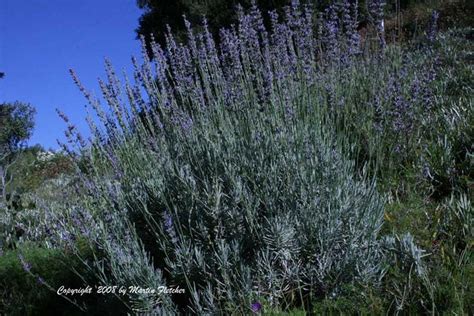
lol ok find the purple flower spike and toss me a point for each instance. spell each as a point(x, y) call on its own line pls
point(41, 281)
point(433, 26)
point(256, 307)
point(26, 265)
point(168, 221)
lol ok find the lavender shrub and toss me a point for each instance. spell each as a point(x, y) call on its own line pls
point(221, 170)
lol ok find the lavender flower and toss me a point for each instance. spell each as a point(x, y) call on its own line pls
point(26, 265)
point(168, 225)
point(256, 307)
point(331, 34)
point(350, 12)
point(168, 221)
point(41, 281)
point(433, 27)
point(376, 11)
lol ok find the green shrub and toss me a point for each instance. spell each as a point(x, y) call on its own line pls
point(231, 183)
point(33, 292)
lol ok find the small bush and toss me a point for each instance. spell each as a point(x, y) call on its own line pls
point(30, 277)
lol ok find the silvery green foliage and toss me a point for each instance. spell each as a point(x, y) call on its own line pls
point(7, 235)
point(215, 173)
point(47, 219)
point(406, 252)
point(402, 253)
point(230, 217)
point(457, 221)
point(464, 212)
point(17, 227)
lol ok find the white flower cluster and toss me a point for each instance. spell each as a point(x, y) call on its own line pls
point(45, 155)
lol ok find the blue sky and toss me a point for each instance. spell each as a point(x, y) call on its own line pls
point(41, 39)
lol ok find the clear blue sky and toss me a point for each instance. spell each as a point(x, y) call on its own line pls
point(41, 39)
